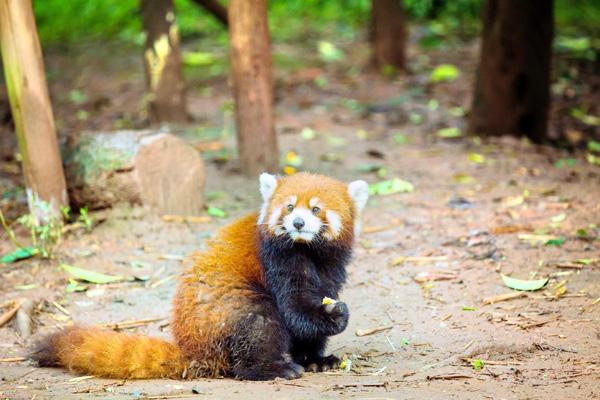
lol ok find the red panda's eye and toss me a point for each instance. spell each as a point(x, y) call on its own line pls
point(315, 210)
point(290, 208)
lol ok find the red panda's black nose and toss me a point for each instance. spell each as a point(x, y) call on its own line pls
point(298, 223)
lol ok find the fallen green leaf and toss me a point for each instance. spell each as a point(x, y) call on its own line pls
point(21, 253)
point(585, 118)
point(477, 364)
point(216, 212)
point(582, 233)
point(476, 158)
point(27, 287)
point(469, 308)
point(321, 81)
point(293, 159)
point(449, 133)
point(346, 364)
point(405, 341)
point(415, 118)
point(576, 44)
point(565, 162)
point(91, 276)
point(308, 134)
point(362, 134)
point(556, 242)
point(74, 286)
point(332, 157)
point(395, 185)
point(329, 53)
point(592, 159)
point(463, 179)
point(139, 264)
point(456, 112)
point(444, 73)
point(535, 238)
point(369, 167)
point(198, 58)
point(336, 141)
point(78, 97)
point(593, 146)
point(399, 138)
point(585, 261)
point(524, 285)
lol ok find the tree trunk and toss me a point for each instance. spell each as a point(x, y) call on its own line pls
point(513, 81)
point(216, 9)
point(162, 57)
point(389, 34)
point(31, 109)
point(253, 86)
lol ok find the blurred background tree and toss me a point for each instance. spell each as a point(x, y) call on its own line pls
point(422, 28)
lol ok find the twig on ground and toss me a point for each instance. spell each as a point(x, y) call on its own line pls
point(448, 377)
point(503, 297)
point(491, 362)
point(370, 331)
point(356, 384)
point(13, 359)
point(186, 218)
point(130, 324)
point(538, 323)
point(61, 308)
point(8, 315)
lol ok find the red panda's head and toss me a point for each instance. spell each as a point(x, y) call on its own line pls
point(306, 206)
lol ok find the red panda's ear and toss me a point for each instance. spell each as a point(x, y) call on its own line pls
point(268, 184)
point(359, 193)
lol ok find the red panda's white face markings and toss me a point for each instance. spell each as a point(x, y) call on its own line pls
point(304, 207)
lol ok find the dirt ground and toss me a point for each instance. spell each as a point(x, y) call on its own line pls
point(422, 268)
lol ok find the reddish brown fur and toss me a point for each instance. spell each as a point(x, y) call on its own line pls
point(110, 354)
point(214, 294)
point(332, 193)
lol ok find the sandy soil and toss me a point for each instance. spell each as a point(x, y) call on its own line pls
point(423, 266)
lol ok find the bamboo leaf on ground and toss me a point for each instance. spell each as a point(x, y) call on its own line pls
point(91, 276)
point(524, 285)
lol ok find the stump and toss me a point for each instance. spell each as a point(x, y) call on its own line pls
point(145, 168)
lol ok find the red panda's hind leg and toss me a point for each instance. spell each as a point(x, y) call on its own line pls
point(259, 347)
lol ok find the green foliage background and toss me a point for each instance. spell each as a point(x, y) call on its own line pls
point(64, 23)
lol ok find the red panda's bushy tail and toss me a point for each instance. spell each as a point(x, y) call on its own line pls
point(105, 353)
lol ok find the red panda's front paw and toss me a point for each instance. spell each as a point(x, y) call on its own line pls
point(322, 364)
point(338, 312)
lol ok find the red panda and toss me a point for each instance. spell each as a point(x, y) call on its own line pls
point(251, 306)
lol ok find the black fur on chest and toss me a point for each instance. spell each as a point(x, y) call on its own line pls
point(298, 277)
point(294, 266)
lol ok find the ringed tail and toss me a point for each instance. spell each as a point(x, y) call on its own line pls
point(109, 354)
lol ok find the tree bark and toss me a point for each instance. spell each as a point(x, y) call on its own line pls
point(162, 56)
point(216, 9)
point(253, 86)
point(389, 34)
point(31, 109)
point(512, 92)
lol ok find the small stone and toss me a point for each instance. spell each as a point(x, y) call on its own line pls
point(197, 390)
